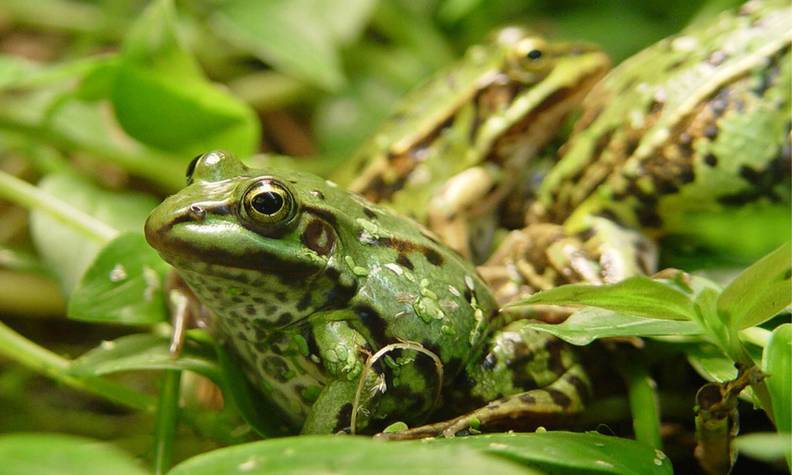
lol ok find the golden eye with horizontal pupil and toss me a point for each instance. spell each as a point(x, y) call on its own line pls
point(268, 202)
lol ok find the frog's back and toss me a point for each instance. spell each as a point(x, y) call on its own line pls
point(697, 120)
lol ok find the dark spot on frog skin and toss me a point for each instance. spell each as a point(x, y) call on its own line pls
point(318, 237)
point(433, 256)
point(305, 301)
point(555, 361)
point(318, 194)
point(281, 296)
point(527, 399)
point(372, 320)
point(370, 214)
point(344, 417)
point(284, 319)
point(720, 103)
point(235, 315)
point(276, 367)
point(559, 398)
point(711, 160)
point(787, 274)
point(656, 106)
point(675, 65)
point(404, 261)
point(650, 219)
point(250, 310)
point(339, 294)
point(711, 131)
point(581, 387)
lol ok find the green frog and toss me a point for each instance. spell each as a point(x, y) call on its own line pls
point(691, 130)
point(348, 316)
point(457, 145)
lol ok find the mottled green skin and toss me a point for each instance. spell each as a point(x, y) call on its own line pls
point(688, 139)
point(492, 111)
point(696, 123)
point(306, 301)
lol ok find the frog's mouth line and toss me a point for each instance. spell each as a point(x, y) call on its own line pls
point(261, 260)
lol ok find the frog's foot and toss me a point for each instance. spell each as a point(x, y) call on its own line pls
point(186, 311)
point(543, 255)
point(527, 410)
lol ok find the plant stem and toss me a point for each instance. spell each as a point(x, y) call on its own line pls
point(28, 196)
point(167, 418)
point(18, 348)
point(643, 401)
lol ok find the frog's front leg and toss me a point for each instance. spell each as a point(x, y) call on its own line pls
point(463, 197)
point(342, 351)
point(530, 378)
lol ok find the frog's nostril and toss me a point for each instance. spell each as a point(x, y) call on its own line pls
point(197, 213)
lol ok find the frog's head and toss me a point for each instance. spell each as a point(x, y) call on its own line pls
point(242, 237)
point(529, 58)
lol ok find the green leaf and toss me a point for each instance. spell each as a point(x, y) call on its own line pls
point(555, 452)
point(759, 292)
point(560, 452)
point(765, 446)
point(294, 36)
point(124, 211)
point(161, 97)
point(348, 455)
point(57, 454)
point(777, 363)
point(147, 352)
point(640, 296)
point(122, 285)
point(589, 324)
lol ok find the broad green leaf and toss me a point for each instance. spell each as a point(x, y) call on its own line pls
point(777, 363)
point(588, 324)
point(147, 352)
point(347, 455)
point(569, 453)
point(640, 296)
point(553, 452)
point(759, 292)
point(58, 454)
point(765, 446)
point(122, 285)
point(292, 35)
point(69, 253)
point(161, 97)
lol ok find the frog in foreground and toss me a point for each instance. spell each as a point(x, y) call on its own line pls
point(348, 316)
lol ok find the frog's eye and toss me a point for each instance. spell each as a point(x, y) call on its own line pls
point(529, 59)
point(267, 202)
